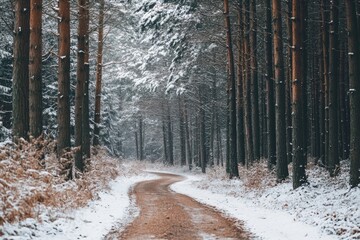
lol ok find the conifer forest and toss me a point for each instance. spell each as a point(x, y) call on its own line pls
point(236, 85)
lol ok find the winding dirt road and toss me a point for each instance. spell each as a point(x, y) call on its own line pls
point(165, 214)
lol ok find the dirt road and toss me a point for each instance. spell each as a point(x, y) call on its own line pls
point(165, 214)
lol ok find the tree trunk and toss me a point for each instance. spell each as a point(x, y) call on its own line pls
point(202, 143)
point(234, 172)
point(299, 176)
point(85, 146)
point(304, 74)
point(270, 108)
point(170, 136)
point(281, 159)
point(166, 154)
point(188, 137)
point(99, 74)
point(288, 86)
point(239, 96)
point(81, 78)
point(254, 81)
point(333, 160)
point(325, 47)
point(182, 132)
point(20, 84)
point(246, 87)
point(141, 138)
point(137, 145)
point(35, 59)
point(63, 100)
point(354, 85)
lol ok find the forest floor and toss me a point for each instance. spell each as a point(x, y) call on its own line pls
point(165, 214)
point(36, 202)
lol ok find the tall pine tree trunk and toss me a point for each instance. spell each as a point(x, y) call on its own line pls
point(99, 59)
point(20, 84)
point(333, 160)
point(325, 49)
point(234, 172)
point(239, 91)
point(80, 83)
point(35, 59)
point(254, 81)
point(85, 146)
point(202, 143)
point(188, 137)
point(141, 138)
point(170, 137)
point(247, 87)
point(354, 91)
point(299, 176)
point(288, 85)
point(270, 108)
point(304, 74)
point(281, 158)
point(182, 133)
point(63, 100)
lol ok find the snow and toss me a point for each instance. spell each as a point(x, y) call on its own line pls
point(112, 209)
point(264, 223)
point(325, 209)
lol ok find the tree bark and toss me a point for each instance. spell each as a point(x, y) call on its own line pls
point(141, 138)
point(182, 132)
point(246, 87)
point(270, 105)
point(202, 143)
point(63, 100)
point(20, 84)
point(354, 85)
point(239, 96)
point(304, 74)
point(333, 160)
point(188, 137)
point(85, 146)
point(325, 47)
point(81, 78)
point(299, 176)
point(281, 158)
point(288, 86)
point(99, 75)
point(170, 137)
point(234, 172)
point(137, 145)
point(254, 81)
point(35, 65)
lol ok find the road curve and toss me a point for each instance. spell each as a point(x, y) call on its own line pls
point(165, 214)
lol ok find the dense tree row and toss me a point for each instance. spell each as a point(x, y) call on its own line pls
point(280, 83)
point(315, 104)
point(293, 104)
point(31, 112)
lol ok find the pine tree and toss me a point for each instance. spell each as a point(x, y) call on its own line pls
point(35, 59)
point(63, 102)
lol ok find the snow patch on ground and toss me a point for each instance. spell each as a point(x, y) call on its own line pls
point(264, 223)
point(324, 209)
point(112, 209)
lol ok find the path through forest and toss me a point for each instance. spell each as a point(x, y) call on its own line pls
point(165, 214)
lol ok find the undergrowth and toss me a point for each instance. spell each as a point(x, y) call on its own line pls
point(31, 177)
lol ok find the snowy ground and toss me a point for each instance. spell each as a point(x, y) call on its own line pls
point(113, 209)
point(325, 209)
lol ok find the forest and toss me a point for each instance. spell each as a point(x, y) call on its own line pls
point(199, 84)
point(276, 82)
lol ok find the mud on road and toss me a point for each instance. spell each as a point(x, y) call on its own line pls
point(165, 214)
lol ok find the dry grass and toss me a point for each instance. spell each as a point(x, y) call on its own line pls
point(257, 176)
point(30, 178)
